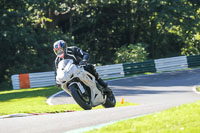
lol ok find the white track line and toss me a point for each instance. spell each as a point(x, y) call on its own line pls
point(195, 89)
point(51, 97)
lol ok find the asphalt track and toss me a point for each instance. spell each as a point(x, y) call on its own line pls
point(154, 93)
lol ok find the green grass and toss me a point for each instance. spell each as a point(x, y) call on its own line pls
point(34, 101)
point(198, 88)
point(180, 119)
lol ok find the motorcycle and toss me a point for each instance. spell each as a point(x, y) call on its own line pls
point(82, 86)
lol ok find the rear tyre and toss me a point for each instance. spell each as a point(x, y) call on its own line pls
point(110, 101)
point(82, 100)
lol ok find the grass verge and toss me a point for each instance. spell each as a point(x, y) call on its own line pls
point(180, 119)
point(34, 101)
point(198, 88)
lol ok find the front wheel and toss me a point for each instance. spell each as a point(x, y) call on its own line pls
point(110, 101)
point(83, 100)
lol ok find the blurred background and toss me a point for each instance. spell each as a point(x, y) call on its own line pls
point(111, 31)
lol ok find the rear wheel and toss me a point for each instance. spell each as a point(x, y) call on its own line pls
point(110, 101)
point(83, 100)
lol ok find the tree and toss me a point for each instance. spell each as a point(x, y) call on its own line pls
point(25, 41)
point(29, 28)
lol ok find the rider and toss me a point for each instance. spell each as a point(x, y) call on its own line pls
point(79, 57)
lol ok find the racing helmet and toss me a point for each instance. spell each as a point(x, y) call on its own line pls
point(58, 48)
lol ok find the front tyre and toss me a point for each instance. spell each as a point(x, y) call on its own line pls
point(82, 100)
point(110, 101)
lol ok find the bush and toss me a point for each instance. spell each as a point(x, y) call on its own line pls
point(132, 53)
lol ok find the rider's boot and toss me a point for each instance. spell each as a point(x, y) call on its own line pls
point(104, 85)
point(93, 71)
point(106, 89)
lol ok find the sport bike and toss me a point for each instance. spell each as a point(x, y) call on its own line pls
point(82, 86)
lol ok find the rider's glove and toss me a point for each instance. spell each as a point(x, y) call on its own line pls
point(83, 63)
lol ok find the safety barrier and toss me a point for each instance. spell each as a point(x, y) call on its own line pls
point(32, 80)
point(139, 67)
point(15, 81)
point(170, 64)
point(193, 60)
point(110, 71)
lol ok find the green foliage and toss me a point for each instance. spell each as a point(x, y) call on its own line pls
point(26, 45)
point(29, 28)
point(191, 48)
point(131, 53)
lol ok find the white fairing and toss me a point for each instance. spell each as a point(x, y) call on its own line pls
point(67, 71)
point(64, 71)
